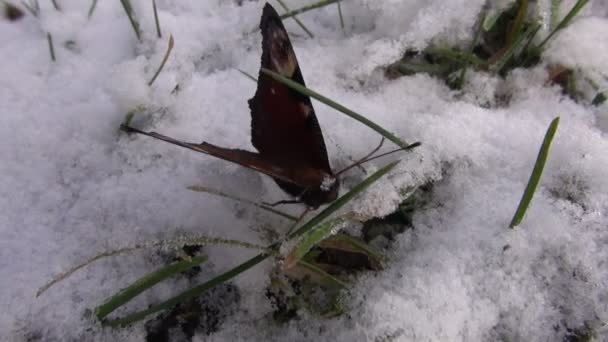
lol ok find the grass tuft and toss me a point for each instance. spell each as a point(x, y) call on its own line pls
point(271, 250)
point(537, 172)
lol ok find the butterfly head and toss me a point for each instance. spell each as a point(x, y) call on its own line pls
point(327, 192)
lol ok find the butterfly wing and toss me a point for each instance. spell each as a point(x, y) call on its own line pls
point(284, 128)
point(303, 178)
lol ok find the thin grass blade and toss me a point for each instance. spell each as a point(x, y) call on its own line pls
point(312, 238)
point(514, 47)
point(578, 6)
point(308, 8)
point(301, 24)
point(49, 38)
point(208, 190)
point(536, 174)
point(165, 58)
point(188, 294)
point(156, 21)
point(126, 4)
point(307, 91)
point(327, 278)
point(144, 283)
point(92, 8)
point(341, 17)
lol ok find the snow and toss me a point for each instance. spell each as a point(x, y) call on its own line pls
point(73, 186)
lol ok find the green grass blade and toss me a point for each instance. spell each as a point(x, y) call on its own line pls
point(156, 21)
point(355, 244)
point(49, 38)
point(296, 19)
point(308, 8)
point(341, 16)
point(469, 54)
point(566, 21)
point(340, 202)
point(126, 4)
point(329, 279)
point(555, 6)
point(311, 238)
point(144, 283)
point(518, 24)
point(306, 91)
point(536, 174)
point(190, 293)
point(216, 192)
point(514, 47)
point(490, 19)
point(92, 8)
point(599, 99)
point(162, 64)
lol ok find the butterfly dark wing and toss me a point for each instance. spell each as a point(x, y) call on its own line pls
point(307, 177)
point(284, 128)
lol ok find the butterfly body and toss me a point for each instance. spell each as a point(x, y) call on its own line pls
point(284, 128)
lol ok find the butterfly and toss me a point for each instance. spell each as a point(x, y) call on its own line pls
point(284, 128)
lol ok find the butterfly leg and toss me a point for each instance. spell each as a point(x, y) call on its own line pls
point(282, 202)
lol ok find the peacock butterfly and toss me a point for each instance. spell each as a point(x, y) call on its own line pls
point(284, 128)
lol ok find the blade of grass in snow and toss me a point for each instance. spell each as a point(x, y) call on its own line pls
point(144, 283)
point(205, 189)
point(126, 4)
point(599, 99)
point(172, 243)
point(518, 24)
point(555, 6)
point(158, 32)
point(469, 53)
point(490, 19)
point(308, 8)
point(356, 245)
point(56, 5)
point(49, 38)
point(312, 238)
point(188, 294)
point(162, 64)
point(296, 19)
point(536, 174)
point(197, 290)
point(566, 21)
point(307, 91)
point(335, 282)
point(33, 6)
point(341, 17)
point(514, 47)
point(92, 8)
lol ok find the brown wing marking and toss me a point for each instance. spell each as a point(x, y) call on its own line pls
point(285, 129)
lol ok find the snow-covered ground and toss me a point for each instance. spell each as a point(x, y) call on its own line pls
point(72, 186)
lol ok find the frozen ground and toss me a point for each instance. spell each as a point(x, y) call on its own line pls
point(72, 186)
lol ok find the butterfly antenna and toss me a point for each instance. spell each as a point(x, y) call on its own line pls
point(362, 160)
point(369, 157)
